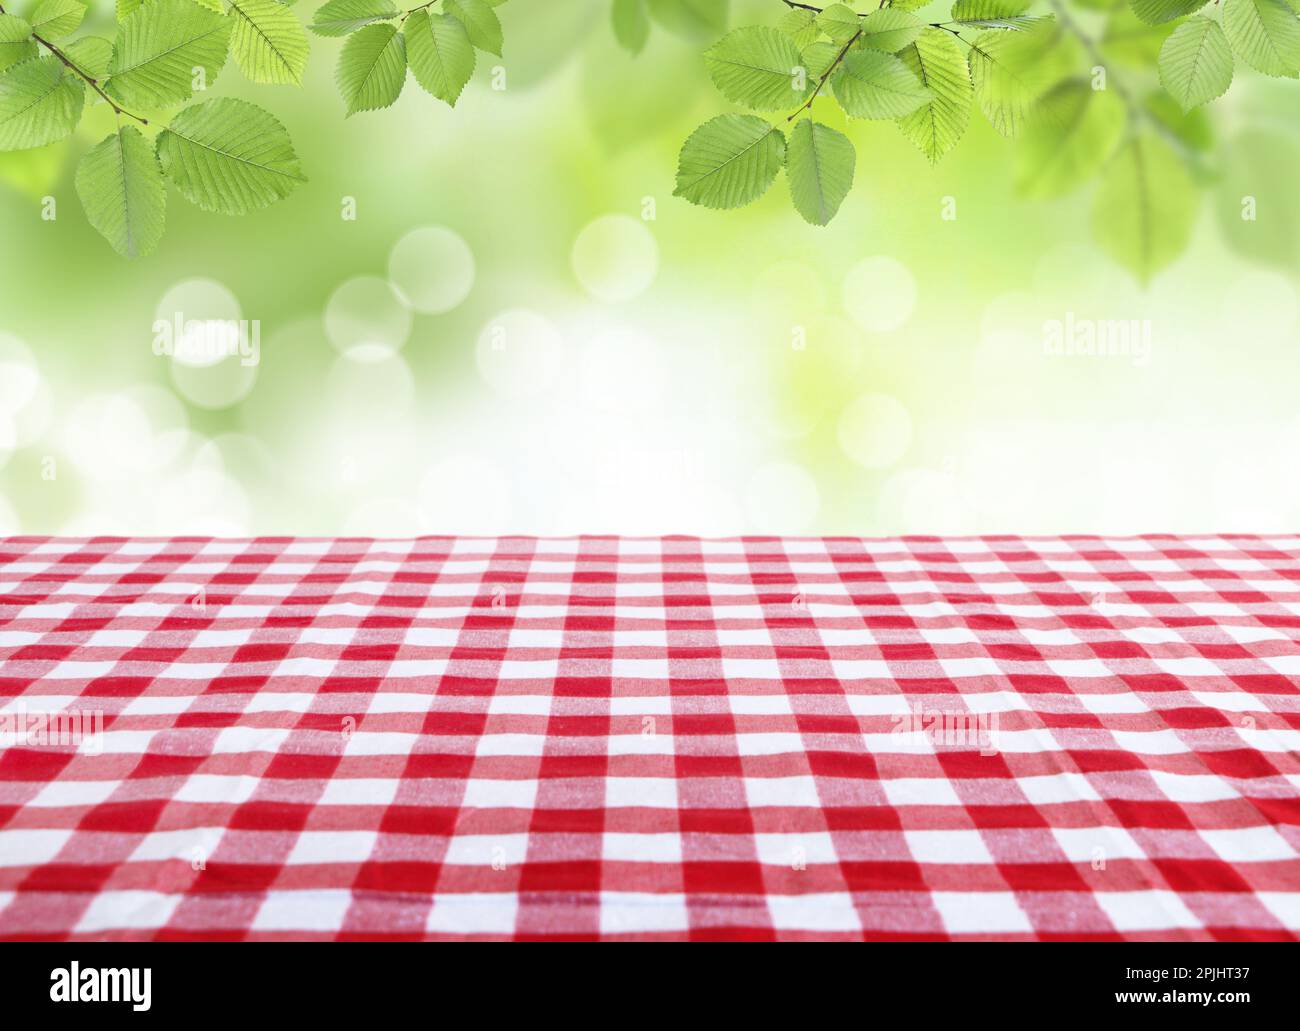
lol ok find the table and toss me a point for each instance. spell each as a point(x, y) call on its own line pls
point(769, 738)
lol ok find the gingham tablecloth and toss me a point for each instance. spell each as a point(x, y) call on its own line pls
point(598, 737)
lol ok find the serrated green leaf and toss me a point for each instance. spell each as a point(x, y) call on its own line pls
point(872, 84)
point(973, 11)
point(268, 42)
point(341, 17)
point(631, 23)
point(121, 190)
point(1012, 70)
point(16, 43)
point(1259, 169)
point(1196, 63)
point(1129, 40)
point(691, 19)
point(1157, 12)
point(54, 19)
point(126, 8)
point(936, 126)
point(372, 68)
point(800, 25)
point(1145, 206)
point(229, 156)
point(481, 23)
point(1191, 128)
point(890, 30)
point(158, 48)
point(839, 22)
point(908, 5)
point(758, 67)
point(40, 102)
point(819, 168)
point(440, 54)
point(91, 54)
point(818, 58)
point(1072, 133)
point(1265, 34)
point(729, 161)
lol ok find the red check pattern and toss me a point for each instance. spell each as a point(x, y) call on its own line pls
point(672, 738)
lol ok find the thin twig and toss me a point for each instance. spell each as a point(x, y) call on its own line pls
point(82, 75)
point(825, 75)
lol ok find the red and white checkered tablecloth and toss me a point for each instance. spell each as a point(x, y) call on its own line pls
point(663, 738)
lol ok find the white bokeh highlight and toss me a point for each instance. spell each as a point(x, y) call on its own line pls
point(432, 269)
point(879, 294)
point(367, 314)
point(875, 430)
point(615, 258)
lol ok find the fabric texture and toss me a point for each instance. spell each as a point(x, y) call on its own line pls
point(1050, 738)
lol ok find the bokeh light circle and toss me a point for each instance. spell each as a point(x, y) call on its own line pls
point(879, 293)
point(875, 431)
point(520, 353)
point(366, 312)
point(219, 385)
point(432, 269)
point(615, 258)
point(197, 322)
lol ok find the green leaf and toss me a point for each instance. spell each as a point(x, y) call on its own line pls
point(800, 25)
point(1265, 34)
point(1072, 133)
point(54, 19)
point(1192, 128)
point(1196, 63)
point(1259, 170)
point(839, 22)
point(1129, 40)
point(992, 14)
point(91, 54)
point(126, 8)
point(268, 42)
point(121, 189)
point(631, 24)
point(819, 168)
point(1012, 70)
point(40, 102)
point(372, 68)
point(729, 161)
point(1157, 12)
point(16, 43)
point(890, 30)
point(341, 17)
point(818, 58)
point(691, 19)
point(1145, 206)
point(158, 48)
point(872, 84)
point(940, 64)
point(229, 155)
point(481, 23)
point(440, 53)
point(758, 67)
point(908, 5)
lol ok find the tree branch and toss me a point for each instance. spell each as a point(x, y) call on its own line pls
point(82, 75)
point(825, 75)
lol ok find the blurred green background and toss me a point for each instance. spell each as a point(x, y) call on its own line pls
point(522, 330)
